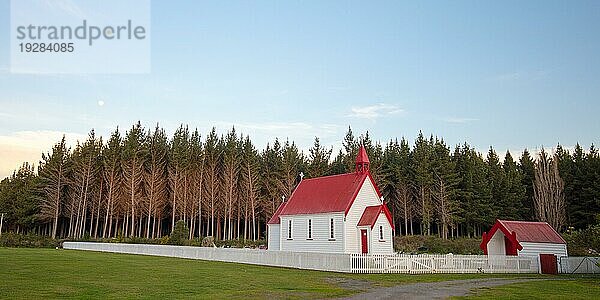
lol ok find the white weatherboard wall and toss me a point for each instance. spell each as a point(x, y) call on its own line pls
point(320, 233)
point(273, 234)
point(534, 249)
point(367, 196)
point(496, 244)
point(384, 246)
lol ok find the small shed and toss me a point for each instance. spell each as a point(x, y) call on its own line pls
point(523, 239)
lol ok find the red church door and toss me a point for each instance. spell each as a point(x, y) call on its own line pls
point(364, 241)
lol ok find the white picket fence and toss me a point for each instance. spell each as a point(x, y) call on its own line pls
point(336, 262)
point(579, 265)
point(428, 264)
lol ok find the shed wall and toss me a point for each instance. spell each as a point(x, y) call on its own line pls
point(535, 249)
point(496, 245)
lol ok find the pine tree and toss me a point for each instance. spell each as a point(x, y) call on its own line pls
point(272, 178)
point(293, 164)
point(177, 168)
point(582, 188)
point(514, 190)
point(229, 178)
point(212, 157)
point(84, 181)
point(396, 183)
point(20, 199)
point(338, 166)
point(592, 190)
point(496, 179)
point(444, 189)
point(474, 191)
point(112, 175)
point(250, 185)
point(155, 177)
point(54, 170)
point(350, 149)
point(527, 169)
point(319, 159)
point(133, 171)
point(405, 186)
point(196, 175)
point(423, 180)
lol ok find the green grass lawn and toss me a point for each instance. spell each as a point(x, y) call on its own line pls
point(587, 287)
point(49, 273)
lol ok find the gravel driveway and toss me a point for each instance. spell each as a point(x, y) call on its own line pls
point(434, 290)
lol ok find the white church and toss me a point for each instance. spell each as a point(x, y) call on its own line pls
point(334, 214)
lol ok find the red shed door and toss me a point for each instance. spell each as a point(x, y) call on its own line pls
point(548, 264)
point(364, 241)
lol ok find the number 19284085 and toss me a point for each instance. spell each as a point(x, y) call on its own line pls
point(46, 47)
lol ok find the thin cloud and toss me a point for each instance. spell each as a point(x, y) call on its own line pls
point(372, 112)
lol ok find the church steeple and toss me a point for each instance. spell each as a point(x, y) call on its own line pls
point(362, 160)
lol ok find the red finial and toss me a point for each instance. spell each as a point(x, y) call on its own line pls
point(362, 160)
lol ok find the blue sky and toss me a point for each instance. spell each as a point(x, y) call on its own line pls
point(507, 74)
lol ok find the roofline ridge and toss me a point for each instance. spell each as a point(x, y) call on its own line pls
point(515, 221)
point(328, 176)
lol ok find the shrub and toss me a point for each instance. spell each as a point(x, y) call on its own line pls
point(241, 243)
point(436, 245)
point(208, 241)
point(584, 242)
point(10, 239)
point(180, 234)
point(163, 240)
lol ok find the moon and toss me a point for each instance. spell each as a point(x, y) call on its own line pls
point(100, 103)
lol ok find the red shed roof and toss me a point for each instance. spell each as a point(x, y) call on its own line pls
point(275, 218)
point(535, 232)
point(523, 231)
point(334, 193)
point(371, 213)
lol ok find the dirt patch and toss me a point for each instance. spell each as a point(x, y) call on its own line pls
point(349, 283)
point(435, 290)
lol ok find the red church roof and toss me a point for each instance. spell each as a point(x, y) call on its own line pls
point(371, 213)
point(275, 218)
point(326, 194)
